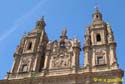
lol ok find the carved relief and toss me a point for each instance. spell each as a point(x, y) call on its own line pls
point(100, 52)
point(100, 56)
point(60, 60)
point(60, 57)
point(25, 61)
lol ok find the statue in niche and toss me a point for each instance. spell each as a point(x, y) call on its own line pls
point(55, 46)
point(66, 62)
point(25, 61)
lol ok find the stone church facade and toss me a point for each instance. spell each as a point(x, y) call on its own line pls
point(40, 61)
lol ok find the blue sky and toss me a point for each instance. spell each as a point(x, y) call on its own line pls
point(19, 16)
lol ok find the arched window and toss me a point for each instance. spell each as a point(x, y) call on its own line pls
point(98, 37)
point(97, 16)
point(29, 47)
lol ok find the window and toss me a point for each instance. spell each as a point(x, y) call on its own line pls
point(24, 68)
point(42, 60)
point(29, 46)
point(100, 60)
point(98, 37)
point(97, 16)
point(62, 45)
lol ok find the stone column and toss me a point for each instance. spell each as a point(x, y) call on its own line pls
point(113, 60)
point(86, 57)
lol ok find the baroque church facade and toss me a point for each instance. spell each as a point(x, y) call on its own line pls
point(40, 61)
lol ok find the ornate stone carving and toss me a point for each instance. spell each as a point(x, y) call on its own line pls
point(48, 47)
point(55, 46)
point(110, 33)
point(100, 52)
point(68, 45)
point(61, 60)
point(25, 61)
point(110, 37)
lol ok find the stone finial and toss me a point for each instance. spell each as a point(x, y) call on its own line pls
point(48, 47)
point(64, 32)
point(76, 42)
point(96, 9)
point(42, 19)
point(41, 22)
point(25, 34)
point(109, 28)
point(97, 14)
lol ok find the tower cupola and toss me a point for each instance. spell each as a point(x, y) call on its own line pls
point(41, 23)
point(97, 15)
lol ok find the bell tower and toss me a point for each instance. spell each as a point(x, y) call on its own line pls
point(100, 46)
point(30, 54)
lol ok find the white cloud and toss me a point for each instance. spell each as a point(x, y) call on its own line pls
point(21, 20)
